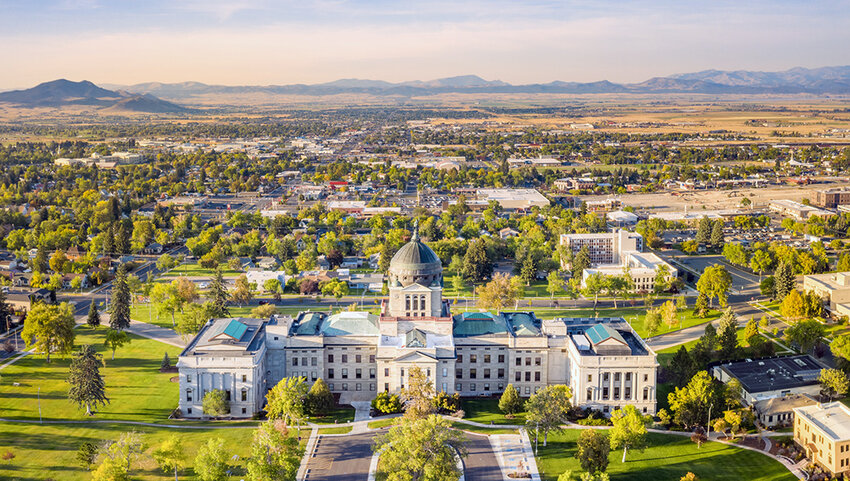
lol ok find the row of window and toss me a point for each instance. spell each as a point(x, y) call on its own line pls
point(486, 387)
point(244, 395)
point(357, 358)
point(358, 373)
point(357, 386)
point(473, 373)
point(627, 393)
point(189, 378)
point(607, 377)
point(473, 359)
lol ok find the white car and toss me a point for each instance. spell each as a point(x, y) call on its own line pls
point(203, 285)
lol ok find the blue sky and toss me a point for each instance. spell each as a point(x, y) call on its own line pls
point(307, 41)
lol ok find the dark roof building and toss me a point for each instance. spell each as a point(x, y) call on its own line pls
point(773, 377)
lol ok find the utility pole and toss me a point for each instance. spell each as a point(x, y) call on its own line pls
point(40, 421)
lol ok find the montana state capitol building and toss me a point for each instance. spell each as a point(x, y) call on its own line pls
point(605, 363)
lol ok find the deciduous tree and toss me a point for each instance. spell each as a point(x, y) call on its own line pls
point(170, 455)
point(593, 448)
point(211, 461)
point(547, 409)
point(629, 429)
point(215, 403)
point(834, 383)
point(49, 329)
point(115, 339)
point(420, 449)
point(286, 400)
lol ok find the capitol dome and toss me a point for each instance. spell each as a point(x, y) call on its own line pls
point(415, 263)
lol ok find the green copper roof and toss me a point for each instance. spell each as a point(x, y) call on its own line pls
point(479, 324)
point(601, 332)
point(309, 323)
point(522, 323)
point(233, 329)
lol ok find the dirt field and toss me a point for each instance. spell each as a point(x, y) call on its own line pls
point(718, 199)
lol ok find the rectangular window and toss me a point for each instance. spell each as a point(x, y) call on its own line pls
point(518, 376)
point(331, 386)
point(358, 373)
point(357, 358)
point(372, 373)
point(486, 358)
point(519, 361)
point(627, 393)
point(313, 376)
point(330, 373)
point(372, 359)
point(604, 377)
point(616, 377)
point(501, 358)
point(473, 373)
point(244, 395)
point(590, 378)
point(473, 358)
point(344, 374)
point(486, 374)
point(314, 361)
point(386, 387)
point(189, 395)
point(537, 376)
point(605, 393)
point(386, 371)
point(458, 373)
point(646, 378)
point(538, 361)
point(527, 376)
point(486, 387)
point(330, 358)
point(372, 386)
point(357, 387)
point(345, 386)
point(501, 373)
point(227, 395)
point(445, 373)
point(616, 393)
point(188, 378)
point(445, 387)
point(294, 361)
point(458, 387)
point(344, 358)
point(501, 386)
point(459, 358)
point(244, 378)
point(472, 387)
point(628, 377)
point(528, 361)
point(590, 394)
point(527, 390)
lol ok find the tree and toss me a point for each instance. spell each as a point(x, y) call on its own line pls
point(286, 400)
point(593, 285)
point(275, 453)
point(735, 254)
point(420, 449)
point(717, 233)
point(320, 400)
point(477, 266)
point(272, 286)
point(751, 332)
point(497, 294)
point(166, 262)
point(554, 284)
point(264, 312)
point(629, 429)
point(581, 262)
point(166, 363)
point(690, 403)
point(616, 286)
point(186, 291)
point(793, 307)
point(668, 314)
point(734, 420)
point(652, 321)
point(691, 476)
point(87, 386)
point(242, 291)
point(510, 403)
point(193, 319)
point(704, 231)
point(593, 448)
point(93, 318)
point(805, 334)
point(119, 310)
point(699, 437)
point(784, 280)
point(834, 383)
point(715, 281)
point(110, 470)
point(218, 295)
point(727, 335)
point(733, 393)
point(840, 347)
point(387, 403)
point(211, 461)
point(125, 449)
point(169, 456)
point(86, 455)
point(681, 367)
point(166, 299)
point(49, 328)
point(547, 409)
point(701, 305)
point(416, 396)
point(760, 262)
point(115, 339)
point(215, 403)
point(767, 287)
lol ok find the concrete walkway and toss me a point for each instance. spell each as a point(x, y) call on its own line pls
point(157, 333)
point(514, 454)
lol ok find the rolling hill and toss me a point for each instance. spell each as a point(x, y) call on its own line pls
point(59, 93)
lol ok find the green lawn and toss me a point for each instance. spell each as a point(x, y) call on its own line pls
point(49, 451)
point(480, 430)
point(337, 430)
point(486, 410)
point(669, 457)
point(134, 385)
point(339, 414)
point(195, 270)
point(147, 313)
point(381, 423)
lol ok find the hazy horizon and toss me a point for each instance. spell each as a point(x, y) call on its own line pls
point(260, 42)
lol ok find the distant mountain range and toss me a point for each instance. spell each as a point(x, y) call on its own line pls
point(818, 81)
point(148, 97)
point(59, 93)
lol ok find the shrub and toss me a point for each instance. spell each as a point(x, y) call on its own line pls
point(386, 403)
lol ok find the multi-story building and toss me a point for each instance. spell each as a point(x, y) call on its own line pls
point(358, 354)
point(832, 198)
point(823, 430)
point(833, 288)
point(616, 253)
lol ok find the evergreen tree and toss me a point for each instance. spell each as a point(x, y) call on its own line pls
point(87, 386)
point(727, 335)
point(109, 240)
point(218, 295)
point(93, 319)
point(122, 239)
point(386, 257)
point(477, 266)
point(704, 231)
point(40, 263)
point(510, 402)
point(784, 280)
point(682, 367)
point(166, 363)
point(581, 262)
point(119, 311)
point(717, 233)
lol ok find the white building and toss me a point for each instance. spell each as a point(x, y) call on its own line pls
point(358, 354)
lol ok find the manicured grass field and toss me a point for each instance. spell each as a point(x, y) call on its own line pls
point(147, 313)
point(668, 457)
point(339, 414)
point(337, 430)
point(486, 410)
point(480, 430)
point(49, 451)
point(134, 385)
point(381, 423)
point(195, 270)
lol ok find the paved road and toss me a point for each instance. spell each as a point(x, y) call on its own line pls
point(341, 458)
point(481, 463)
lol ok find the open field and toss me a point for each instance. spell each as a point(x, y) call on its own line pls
point(136, 389)
point(668, 457)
